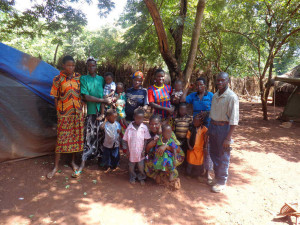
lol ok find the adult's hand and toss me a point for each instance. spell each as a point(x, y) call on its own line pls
point(226, 145)
point(108, 101)
point(171, 110)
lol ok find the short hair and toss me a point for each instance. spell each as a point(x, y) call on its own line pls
point(108, 74)
point(199, 116)
point(110, 112)
point(166, 126)
point(201, 79)
point(138, 111)
point(120, 84)
point(67, 58)
point(178, 82)
point(181, 104)
point(155, 117)
point(159, 71)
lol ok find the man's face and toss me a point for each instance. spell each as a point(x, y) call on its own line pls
point(222, 82)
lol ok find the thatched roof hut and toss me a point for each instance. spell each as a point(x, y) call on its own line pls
point(291, 81)
point(285, 84)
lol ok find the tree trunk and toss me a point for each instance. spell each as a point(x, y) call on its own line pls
point(178, 32)
point(266, 93)
point(55, 54)
point(162, 39)
point(194, 43)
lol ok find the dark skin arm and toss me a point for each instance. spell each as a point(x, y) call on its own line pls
point(226, 143)
point(151, 144)
point(156, 106)
point(183, 97)
point(90, 98)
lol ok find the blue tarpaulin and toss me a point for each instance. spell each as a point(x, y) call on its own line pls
point(27, 113)
point(32, 72)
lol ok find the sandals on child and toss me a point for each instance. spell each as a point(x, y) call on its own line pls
point(76, 174)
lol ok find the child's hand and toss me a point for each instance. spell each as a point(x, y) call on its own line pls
point(161, 149)
point(156, 137)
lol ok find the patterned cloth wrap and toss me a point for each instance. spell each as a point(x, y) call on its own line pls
point(150, 158)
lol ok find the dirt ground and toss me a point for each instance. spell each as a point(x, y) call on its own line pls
point(264, 174)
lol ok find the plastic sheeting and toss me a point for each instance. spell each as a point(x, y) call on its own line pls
point(27, 115)
point(33, 73)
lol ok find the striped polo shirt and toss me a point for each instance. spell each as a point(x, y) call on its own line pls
point(160, 96)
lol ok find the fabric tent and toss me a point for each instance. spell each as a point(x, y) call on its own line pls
point(292, 107)
point(27, 114)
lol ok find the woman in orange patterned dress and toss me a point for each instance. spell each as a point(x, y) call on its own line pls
point(70, 120)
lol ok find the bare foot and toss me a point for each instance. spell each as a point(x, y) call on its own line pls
point(74, 166)
point(52, 173)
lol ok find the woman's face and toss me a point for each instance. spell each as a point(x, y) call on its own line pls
point(69, 67)
point(154, 126)
point(200, 86)
point(92, 67)
point(137, 82)
point(160, 78)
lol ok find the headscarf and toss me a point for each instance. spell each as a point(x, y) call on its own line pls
point(137, 74)
point(91, 58)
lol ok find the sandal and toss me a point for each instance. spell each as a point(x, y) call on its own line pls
point(76, 174)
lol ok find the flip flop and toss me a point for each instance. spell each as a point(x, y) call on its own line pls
point(76, 174)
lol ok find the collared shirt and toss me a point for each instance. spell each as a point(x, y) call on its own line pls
point(136, 139)
point(111, 138)
point(160, 96)
point(67, 91)
point(134, 99)
point(92, 86)
point(200, 105)
point(225, 107)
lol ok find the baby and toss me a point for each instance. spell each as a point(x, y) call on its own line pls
point(176, 95)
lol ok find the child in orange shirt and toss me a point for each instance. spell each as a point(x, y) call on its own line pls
point(197, 147)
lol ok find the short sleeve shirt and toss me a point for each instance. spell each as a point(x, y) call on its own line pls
point(225, 107)
point(200, 105)
point(108, 88)
point(136, 139)
point(160, 96)
point(92, 86)
point(134, 99)
point(111, 138)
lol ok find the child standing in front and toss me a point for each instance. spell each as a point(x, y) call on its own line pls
point(136, 136)
point(112, 129)
point(182, 124)
point(197, 147)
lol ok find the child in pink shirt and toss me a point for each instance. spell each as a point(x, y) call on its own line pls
point(136, 135)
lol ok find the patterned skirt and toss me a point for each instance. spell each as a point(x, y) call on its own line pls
point(93, 137)
point(70, 133)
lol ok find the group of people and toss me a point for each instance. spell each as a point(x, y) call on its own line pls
point(115, 122)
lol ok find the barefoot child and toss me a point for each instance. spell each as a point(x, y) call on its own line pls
point(197, 147)
point(112, 129)
point(136, 136)
point(70, 120)
point(165, 153)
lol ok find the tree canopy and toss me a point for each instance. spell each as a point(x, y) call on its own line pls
point(242, 37)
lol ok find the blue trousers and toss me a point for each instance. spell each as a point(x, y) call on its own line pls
point(220, 158)
point(111, 157)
